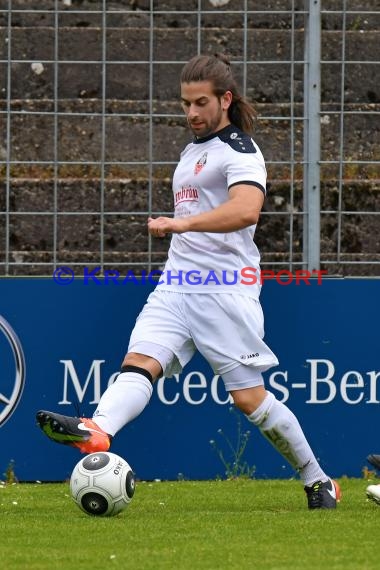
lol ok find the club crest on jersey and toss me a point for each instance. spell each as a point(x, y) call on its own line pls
point(200, 163)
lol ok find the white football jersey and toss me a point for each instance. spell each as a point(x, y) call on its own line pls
point(214, 262)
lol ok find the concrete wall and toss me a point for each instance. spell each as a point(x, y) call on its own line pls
point(126, 203)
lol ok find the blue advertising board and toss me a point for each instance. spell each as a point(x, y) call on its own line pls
point(72, 340)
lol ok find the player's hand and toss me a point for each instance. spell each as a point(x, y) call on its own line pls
point(161, 226)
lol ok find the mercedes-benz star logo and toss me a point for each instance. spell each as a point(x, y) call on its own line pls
point(9, 401)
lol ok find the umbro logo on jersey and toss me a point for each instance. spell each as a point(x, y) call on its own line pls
point(186, 194)
point(200, 163)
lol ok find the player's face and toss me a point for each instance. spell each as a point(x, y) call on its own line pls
point(206, 113)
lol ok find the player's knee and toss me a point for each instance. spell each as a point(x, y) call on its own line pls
point(134, 361)
point(248, 400)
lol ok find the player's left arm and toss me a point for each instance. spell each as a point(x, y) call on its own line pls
point(241, 210)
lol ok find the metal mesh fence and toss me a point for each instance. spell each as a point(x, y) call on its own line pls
point(91, 127)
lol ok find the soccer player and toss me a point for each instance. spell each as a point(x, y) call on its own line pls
point(202, 302)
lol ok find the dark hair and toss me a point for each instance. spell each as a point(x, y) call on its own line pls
point(217, 69)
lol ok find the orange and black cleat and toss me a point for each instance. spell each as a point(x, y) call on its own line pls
point(323, 495)
point(81, 433)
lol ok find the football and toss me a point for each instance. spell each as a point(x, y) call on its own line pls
point(102, 484)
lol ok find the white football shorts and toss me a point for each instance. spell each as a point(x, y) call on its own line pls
point(226, 328)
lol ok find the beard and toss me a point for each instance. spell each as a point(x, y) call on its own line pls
point(206, 127)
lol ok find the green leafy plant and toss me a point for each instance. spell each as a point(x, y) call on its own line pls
point(10, 476)
point(235, 466)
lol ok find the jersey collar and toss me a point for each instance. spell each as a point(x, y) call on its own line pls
point(229, 128)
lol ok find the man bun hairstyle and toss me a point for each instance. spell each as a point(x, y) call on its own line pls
point(217, 69)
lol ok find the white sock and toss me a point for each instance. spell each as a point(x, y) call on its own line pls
point(123, 401)
point(280, 426)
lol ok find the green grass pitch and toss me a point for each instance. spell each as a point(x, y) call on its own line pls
point(195, 525)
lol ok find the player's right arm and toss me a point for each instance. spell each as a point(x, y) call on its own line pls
point(241, 210)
